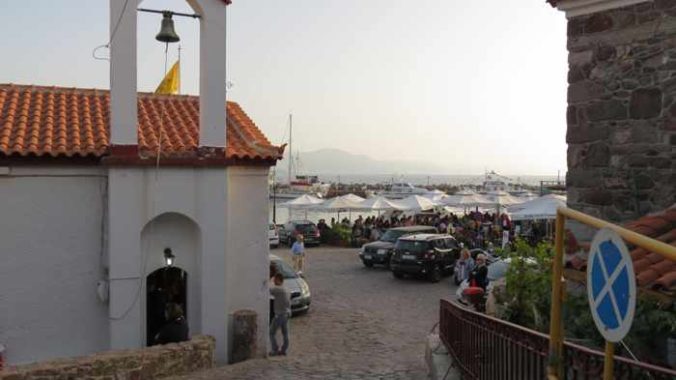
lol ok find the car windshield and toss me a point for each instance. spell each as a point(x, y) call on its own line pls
point(305, 227)
point(285, 269)
point(413, 246)
point(392, 235)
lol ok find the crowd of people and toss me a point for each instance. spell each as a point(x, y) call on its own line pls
point(475, 229)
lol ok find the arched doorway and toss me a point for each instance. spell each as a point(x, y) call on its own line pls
point(164, 286)
point(176, 237)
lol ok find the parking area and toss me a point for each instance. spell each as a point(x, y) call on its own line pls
point(363, 324)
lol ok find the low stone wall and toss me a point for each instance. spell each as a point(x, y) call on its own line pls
point(140, 364)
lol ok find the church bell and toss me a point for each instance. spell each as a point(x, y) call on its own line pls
point(167, 32)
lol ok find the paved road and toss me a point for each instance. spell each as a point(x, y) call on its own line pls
point(363, 324)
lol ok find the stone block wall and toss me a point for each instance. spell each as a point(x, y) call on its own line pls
point(622, 111)
point(142, 364)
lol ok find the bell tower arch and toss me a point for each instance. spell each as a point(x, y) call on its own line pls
point(123, 79)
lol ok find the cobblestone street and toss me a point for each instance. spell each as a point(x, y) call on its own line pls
point(363, 324)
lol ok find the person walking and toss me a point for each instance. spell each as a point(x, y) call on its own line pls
point(298, 252)
point(282, 309)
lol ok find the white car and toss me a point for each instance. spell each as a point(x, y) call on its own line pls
point(295, 284)
point(273, 236)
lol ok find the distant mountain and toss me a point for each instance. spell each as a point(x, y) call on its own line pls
point(335, 161)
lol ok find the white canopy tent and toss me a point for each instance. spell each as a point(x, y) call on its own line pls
point(352, 198)
point(503, 199)
point(379, 203)
point(540, 208)
point(417, 203)
point(464, 200)
point(435, 195)
point(337, 204)
point(303, 201)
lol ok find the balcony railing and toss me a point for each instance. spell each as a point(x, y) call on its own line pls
point(484, 347)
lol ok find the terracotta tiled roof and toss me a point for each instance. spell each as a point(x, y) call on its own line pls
point(653, 270)
point(69, 122)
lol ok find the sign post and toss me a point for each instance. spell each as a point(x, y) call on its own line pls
point(611, 291)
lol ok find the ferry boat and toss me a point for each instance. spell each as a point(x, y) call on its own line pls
point(303, 184)
point(402, 190)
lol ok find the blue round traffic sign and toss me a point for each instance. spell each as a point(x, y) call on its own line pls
point(611, 285)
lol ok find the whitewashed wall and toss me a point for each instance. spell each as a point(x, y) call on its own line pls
point(237, 248)
point(247, 246)
point(51, 249)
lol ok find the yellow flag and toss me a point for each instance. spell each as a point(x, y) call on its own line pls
point(171, 82)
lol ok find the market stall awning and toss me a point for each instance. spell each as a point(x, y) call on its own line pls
point(539, 208)
point(379, 203)
point(417, 203)
point(336, 204)
point(352, 198)
point(303, 201)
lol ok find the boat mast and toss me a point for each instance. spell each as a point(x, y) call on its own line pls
point(290, 148)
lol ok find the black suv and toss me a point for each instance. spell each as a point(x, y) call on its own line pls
point(430, 255)
point(290, 230)
point(380, 251)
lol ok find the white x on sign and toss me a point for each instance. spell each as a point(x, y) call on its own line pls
point(611, 285)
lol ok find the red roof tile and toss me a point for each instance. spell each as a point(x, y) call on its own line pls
point(652, 269)
point(69, 122)
point(647, 277)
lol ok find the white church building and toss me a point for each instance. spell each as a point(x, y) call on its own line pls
point(101, 190)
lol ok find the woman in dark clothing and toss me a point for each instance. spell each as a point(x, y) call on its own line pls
point(480, 272)
point(176, 329)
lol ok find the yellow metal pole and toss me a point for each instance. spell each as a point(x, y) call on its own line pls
point(555, 330)
point(608, 362)
point(667, 251)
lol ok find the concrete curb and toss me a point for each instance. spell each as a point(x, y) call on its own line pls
point(439, 362)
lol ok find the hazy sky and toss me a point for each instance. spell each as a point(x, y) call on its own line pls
point(474, 84)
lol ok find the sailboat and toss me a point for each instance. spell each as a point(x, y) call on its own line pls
point(299, 184)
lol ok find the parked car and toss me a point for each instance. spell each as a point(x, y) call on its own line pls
point(430, 255)
point(273, 236)
point(295, 284)
point(306, 228)
point(380, 251)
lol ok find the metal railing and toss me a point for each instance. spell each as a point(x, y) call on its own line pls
point(483, 347)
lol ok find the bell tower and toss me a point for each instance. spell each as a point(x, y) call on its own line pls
point(171, 196)
point(123, 68)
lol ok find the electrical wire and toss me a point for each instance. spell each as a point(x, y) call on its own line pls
point(112, 35)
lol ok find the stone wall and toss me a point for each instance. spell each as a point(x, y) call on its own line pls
point(141, 364)
point(622, 110)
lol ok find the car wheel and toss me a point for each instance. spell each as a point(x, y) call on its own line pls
point(368, 263)
point(397, 274)
point(435, 275)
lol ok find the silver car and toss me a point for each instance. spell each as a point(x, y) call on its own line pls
point(295, 284)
